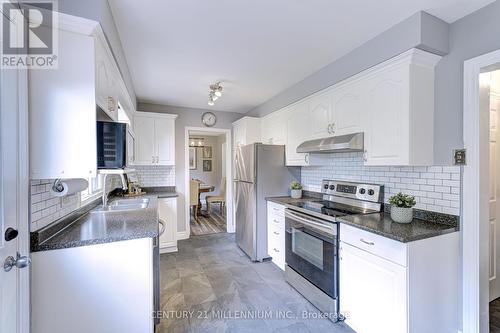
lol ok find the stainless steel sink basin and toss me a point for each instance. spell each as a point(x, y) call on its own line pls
point(124, 205)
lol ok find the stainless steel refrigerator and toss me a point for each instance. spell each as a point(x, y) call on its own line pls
point(260, 173)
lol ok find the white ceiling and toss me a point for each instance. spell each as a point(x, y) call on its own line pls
point(176, 48)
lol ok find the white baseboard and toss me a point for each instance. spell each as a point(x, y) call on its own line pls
point(169, 249)
point(182, 235)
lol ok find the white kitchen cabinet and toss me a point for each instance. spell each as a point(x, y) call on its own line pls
point(63, 114)
point(399, 110)
point(154, 138)
point(276, 233)
point(298, 131)
point(389, 286)
point(321, 115)
point(167, 213)
point(130, 146)
point(106, 88)
point(75, 287)
point(273, 128)
point(246, 131)
point(347, 108)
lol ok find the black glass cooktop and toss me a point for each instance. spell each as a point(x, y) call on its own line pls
point(326, 207)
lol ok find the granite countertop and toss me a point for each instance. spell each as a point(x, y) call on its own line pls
point(86, 228)
point(426, 226)
point(161, 192)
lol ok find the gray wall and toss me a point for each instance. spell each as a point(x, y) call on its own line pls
point(471, 36)
point(187, 118)
point(99, 10)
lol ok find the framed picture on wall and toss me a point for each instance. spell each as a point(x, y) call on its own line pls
point(207, 152)
point(192, 158)
point(207, 165)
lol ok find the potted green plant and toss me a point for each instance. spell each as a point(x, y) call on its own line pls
point(296, 190)
point(402, 207)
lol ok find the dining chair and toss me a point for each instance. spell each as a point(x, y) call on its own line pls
point(219, 198)
point(194, 192)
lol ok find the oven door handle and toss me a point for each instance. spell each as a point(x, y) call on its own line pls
point(310, 223)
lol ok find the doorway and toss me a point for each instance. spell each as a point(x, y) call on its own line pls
point(480, 214)
point(208, 202)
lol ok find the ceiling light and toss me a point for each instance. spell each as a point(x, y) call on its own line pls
point(215, 93)
point(196, 142)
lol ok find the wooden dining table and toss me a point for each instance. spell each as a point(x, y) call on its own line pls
point(204, 188)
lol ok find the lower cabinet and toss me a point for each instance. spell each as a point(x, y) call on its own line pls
point(167, 214)
point(95, 288)
point(393, 287)
point(276, 233)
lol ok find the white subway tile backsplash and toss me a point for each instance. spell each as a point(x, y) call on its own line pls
point(436, 188)
point(155, 175)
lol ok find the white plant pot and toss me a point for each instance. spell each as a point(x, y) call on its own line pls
point(401, 214)
point(296, 194)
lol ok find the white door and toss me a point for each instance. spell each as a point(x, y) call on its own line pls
point(298, 131)
point(494, 246)
point(372, 292)
point(165, 141)
point(320, 107)
point(144, 129)
point(14, 189)
point(347, 104)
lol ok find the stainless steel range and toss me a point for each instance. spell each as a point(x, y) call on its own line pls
point(312, 236)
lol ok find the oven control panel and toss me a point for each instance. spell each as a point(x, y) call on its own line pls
point(361, 191)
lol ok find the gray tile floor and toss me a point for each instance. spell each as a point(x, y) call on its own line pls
point(209, 285)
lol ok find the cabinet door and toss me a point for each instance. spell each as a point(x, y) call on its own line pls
point(130, 148)
point(239, 135)
point(167, 212)
point(274, 128)
point(144, 128)
point(387, 115)
point(372, 292)
point(106, 82)
point(298, 131)
point(347, 105)
point(165, 141)
point(62, 113)
point(320, 109)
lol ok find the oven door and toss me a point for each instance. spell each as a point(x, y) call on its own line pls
point(311, 250)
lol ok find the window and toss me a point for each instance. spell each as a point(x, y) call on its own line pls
point(95, 188)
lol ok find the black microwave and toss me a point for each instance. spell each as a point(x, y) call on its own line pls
point(111, 145)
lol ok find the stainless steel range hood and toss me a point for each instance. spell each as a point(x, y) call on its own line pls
point(334, 144)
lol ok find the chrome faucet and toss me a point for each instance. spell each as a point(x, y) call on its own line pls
point(105, 191)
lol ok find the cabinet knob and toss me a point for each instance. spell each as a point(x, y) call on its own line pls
point(276, 233)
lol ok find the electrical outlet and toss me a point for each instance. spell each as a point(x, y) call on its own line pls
point(459, 156)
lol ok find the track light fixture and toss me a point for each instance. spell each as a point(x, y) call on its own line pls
point(215, 93)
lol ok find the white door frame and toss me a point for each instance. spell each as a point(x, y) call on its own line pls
point(475, 229)
point(229, 176)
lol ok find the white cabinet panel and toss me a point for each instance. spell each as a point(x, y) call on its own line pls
point(246, 131)
point(154, 139)
point(298, 131)
point(273, 128)
point(145, 143)
point(62, 113)
point(347, 106)
point(321, 117)
point(276, 233)
point(167, 212)
point(165, 140)
point(373, 292)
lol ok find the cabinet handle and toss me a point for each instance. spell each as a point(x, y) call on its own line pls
point(306, 158)
point(276, 250)
point(276, 221)
point(152, 159)
point(329, 128)
point(276, 233)
point(368, 243)
point(157, 159)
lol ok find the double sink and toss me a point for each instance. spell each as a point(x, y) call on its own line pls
point(122, 205)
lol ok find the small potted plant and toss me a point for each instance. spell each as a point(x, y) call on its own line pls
point(296, 188)
point(402, 207)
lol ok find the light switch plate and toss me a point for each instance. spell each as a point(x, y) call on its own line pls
point(459, 156)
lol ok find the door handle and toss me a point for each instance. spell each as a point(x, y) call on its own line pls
point(19, 262)
point(366, 242)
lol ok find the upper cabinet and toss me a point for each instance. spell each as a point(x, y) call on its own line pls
point(154, 138)
point(246, 131)
point(298, 131)
point(399, 112)
point(273, 128)
point(63, 114)
point(392, 103)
